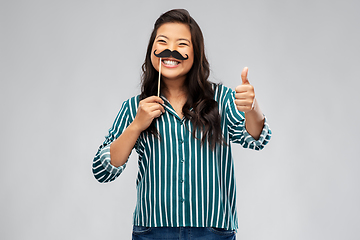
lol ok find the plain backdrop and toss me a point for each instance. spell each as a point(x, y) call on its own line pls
point(67, 66)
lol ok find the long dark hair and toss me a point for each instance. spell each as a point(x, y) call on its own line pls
point(205, 115)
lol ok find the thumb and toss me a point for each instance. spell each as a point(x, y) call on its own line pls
point(244, 74)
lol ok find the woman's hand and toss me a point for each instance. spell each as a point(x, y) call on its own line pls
point(245, 102)
point(149, 108)
point(245, 94)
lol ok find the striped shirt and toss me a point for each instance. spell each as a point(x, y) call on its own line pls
point(180, 182)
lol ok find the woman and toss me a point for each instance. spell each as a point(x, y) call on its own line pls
point(185, 183)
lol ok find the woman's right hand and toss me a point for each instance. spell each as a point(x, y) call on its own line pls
point(149, 108)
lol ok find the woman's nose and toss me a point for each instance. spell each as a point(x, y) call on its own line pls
point(172, 47)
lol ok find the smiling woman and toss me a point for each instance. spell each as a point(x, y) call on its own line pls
point(186, 181)
point(175, 36)
point(187, 79)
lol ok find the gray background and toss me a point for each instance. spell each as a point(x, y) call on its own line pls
point(66, 67)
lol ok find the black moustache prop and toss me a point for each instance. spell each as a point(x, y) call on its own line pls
point(167, 53)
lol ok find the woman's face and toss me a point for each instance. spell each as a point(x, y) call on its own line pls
point(173, 36)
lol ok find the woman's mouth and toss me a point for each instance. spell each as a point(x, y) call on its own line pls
point(170, 63)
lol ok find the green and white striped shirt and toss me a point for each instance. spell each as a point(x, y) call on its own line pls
point(181, 182)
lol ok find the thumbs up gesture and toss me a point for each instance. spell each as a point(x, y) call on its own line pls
point(245, 94)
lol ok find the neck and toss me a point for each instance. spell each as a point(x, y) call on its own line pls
point(174, 88)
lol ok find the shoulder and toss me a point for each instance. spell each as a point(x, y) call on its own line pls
point(222, 93)
point(131, 105)
point(133, 101)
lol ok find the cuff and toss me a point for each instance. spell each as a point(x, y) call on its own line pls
point(263, 139)
point(105, 162)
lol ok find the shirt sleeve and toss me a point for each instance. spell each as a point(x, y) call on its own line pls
point(236, 126)
point(102, 169)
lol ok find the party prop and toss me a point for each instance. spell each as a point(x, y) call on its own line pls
point(159, 78)
point(167, 53)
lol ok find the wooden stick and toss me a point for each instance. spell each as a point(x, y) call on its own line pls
point(159, 79)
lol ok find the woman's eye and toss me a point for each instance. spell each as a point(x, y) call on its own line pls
point(184, 44)
point(161, 41)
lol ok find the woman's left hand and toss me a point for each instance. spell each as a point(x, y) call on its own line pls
point(245, 94)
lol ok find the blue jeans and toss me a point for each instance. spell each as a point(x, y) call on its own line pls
point(182, 233)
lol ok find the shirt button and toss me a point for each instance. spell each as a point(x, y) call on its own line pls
point(182, 160)
point(181, 141)
point(182, 180)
